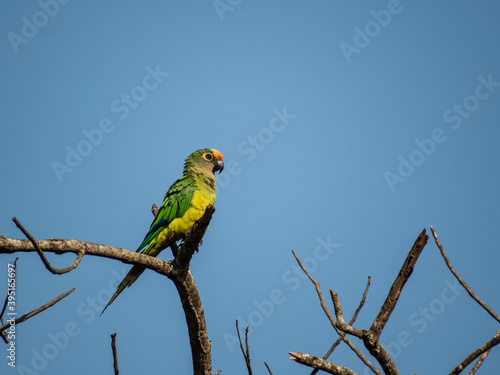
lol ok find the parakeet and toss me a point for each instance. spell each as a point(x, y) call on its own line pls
point(184, 203)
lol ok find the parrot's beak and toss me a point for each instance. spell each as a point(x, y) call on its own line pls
point(218, 165)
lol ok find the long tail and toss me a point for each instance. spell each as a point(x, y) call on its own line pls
point(128, 280)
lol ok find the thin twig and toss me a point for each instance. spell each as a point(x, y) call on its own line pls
point(246, 354)
point(38, 310)
point(461, 281)
point(355, 332)
point(44, 258)
point(218, 372)
point(360, 355)
point(476, 353)
point(115, 355)
point(268, 369)
point(479, 362)
point(339, 330)
point(351, 322)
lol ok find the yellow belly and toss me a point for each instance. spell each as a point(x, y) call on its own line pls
point(181, 225)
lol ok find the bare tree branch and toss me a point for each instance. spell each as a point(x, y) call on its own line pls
point(393, 296)
point(370, 338)
point(479, 362)
point(476, 353)
point(246, 353)
point(38, 310)
point(115, 355)
point(268, 369)
point(177, 270)
point(461, 281)
point(192, 241)
point(195, 318)
point(59, 246)
point(338, 329)
point(353, 319)
point(334, 324)
point(320, 363)
point(190, 298)
point(44, 258)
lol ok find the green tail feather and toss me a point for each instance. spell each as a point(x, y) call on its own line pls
point(128, 280)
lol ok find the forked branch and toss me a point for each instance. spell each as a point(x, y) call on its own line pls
point(371, 337)
point(177, 270)
point(351, 322)
point(245, 351)
point(45, 261)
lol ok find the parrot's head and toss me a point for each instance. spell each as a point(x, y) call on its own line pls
point(205, 159)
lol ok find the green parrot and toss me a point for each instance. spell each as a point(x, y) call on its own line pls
point(184, 204)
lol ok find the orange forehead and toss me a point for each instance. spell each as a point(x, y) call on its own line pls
point(217, 154)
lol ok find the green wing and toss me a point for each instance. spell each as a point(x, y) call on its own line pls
point(175, 204)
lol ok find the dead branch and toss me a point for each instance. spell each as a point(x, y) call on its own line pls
point(370, 338)
point(192, 241)
point(45, 261)
point(320, 363)
point(59, 246)
point(479, 362)
point(177, 270)
point(246, 351)
point(482, 351)
point(115, 355)
point(268, 369)
point(353, 319)
point(476, 353)
point(393, 296)
point(38, 310)
point(195, 318)
point(461, 281)
point(335, 324)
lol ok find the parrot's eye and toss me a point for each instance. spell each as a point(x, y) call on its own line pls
point(208, 156)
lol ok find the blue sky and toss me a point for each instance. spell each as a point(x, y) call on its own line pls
point(346, 129)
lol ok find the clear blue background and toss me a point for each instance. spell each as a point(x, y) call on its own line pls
point(319, 175)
